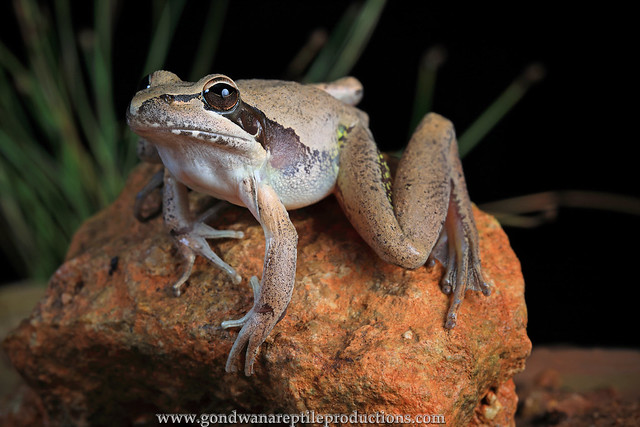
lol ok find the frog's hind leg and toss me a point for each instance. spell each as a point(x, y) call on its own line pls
point(433, 148)
point(191, 234)
point(428, 211)
point(460, 256)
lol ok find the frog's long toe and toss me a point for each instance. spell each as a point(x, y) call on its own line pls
point(195, 243)
point(463, 269)
point(208, 232)
point(245, 332)
point(256, 326)
point(188, 259)
point(253, 333)
point(255, 287)
point(458, 280)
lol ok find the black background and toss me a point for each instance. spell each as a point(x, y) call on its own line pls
point(574, 130)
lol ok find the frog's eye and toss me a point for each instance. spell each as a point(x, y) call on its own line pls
point(221, 94)
point(157, 78)
point(145, 83)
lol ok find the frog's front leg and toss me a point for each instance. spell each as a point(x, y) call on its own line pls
point(191, 234)
point(272, 295)
point(429, 205)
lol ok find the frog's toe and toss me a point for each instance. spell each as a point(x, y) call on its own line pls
point(256, 327)
point(239, 344)
point(255, 286)
point(457, 281)
point(457, 249)
point(193, 242)
point(188, 258)
point(208, 232)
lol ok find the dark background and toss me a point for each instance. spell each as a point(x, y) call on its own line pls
point(574, 130)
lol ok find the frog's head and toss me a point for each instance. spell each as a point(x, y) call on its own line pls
point(209, 114)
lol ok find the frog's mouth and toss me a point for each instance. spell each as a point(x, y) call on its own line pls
point(172, 136)
point(203, 135)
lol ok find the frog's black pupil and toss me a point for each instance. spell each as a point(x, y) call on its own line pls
point(222, 89)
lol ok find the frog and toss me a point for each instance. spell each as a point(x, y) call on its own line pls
point(272, 146)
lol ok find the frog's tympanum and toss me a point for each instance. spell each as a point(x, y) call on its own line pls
point(272, 146)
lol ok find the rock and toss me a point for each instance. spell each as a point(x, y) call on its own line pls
point(567, 386)
point(110, 344)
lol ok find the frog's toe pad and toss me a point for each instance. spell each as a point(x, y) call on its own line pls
point(254, 332)
point(463, 270)
point(457, 281)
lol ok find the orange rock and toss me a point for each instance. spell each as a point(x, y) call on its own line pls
point(110, 344)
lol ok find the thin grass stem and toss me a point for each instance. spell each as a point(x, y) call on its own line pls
point(499, 108)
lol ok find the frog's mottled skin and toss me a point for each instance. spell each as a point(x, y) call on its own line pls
point(274, 145)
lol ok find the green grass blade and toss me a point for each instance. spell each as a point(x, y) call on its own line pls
point(42, 177)
point(431, 61)
point(38, 233)
point(49, 240)
point(326, 58)
point(209, 39)
point(51, 96)
point(357, 38)
point(9, 62)
point(317, 39)
point(76, 86)
point(167, 22)
point(499, 108)
point(18, 245)
point(103, 89)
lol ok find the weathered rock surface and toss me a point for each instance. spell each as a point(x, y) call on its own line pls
point(109, 344)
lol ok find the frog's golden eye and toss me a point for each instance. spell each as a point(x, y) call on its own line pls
point(221, 94)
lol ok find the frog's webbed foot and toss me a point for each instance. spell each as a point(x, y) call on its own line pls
point(457, 249)
point(256, 326)
point(250, 324)
point(193, 242)
point(191, 235)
